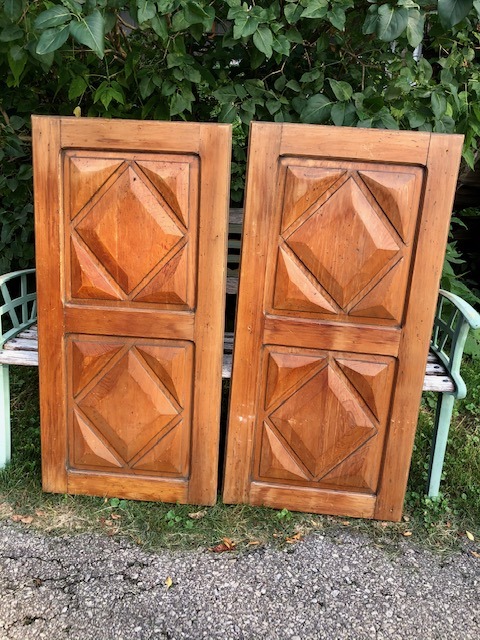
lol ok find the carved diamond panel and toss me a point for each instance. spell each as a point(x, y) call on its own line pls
point(344, 244)
point(132, 238)
point(129, 245)
point(129, 409)
point(346, 238)
point(324, 418)
point(323, 423)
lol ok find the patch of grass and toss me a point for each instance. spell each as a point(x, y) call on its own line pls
point(457, 508)
point(440, 523)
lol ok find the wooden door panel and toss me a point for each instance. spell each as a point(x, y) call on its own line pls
point(148, 257)
point(131, 270)
point(131, 405)
point(364, 272)
point(322, 411)
point(344, 236)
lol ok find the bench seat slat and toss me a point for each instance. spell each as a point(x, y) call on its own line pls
point(22, 350)
point(21, 344)
point(25, 358)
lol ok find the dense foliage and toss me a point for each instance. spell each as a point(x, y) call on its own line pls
point(408, 65)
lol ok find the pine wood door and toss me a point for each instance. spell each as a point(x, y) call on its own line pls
point(131, 222)
point(344, 238)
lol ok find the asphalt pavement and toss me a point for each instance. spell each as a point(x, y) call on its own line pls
point(335, 586)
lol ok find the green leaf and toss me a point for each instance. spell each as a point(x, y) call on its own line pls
point(392, 22)
point(294, 86)
point(17, 59)
point(317, 109)
point(337, 18)
point(107, 92)
point(415, 119)
point(54, 17)
point(196, 14)
point(293, 12)
point(385, 120)
point(342, 90)
point(294, 35)
point(245, 26)
point(316, 9)
point(90, 32)
point(439, 104)
point(281, 45)
point(10, 33)
point(311, 76)
point(451, 12)
point(13, 9)
point(263, 40)
point(415, 27)
point(425, 70)
point(371, 20)
point(146, 10)
point(159, 25)
point(52, 39)
point(228, 113)
point(77, 87)
point(338, 113)
point(178, 104)
point(74, 6)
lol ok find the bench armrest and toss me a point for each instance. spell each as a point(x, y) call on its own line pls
point(18, 308)
point(453, 320)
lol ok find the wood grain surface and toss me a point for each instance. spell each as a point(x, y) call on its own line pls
point(131, 232)
point(343, 242)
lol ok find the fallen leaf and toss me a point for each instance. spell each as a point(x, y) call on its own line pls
point(254, 542)
point(470, 536)
point(230, 543)
point(108, 523)
point(407, 533)
point(384, 524)
point(198, 515)
point(77, 112)
point(115, 516)
point(346, 523)
point(296, 538)
point(19, 518)
point(168, 582)
point(406, 518)
point(40, 513)
point(475, 554)
point(225, 545)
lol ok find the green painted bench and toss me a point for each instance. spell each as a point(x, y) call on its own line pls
point(453, 319)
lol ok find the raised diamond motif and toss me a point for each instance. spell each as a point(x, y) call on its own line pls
point(323, 423)
point(128, 406)
point(129, 230)
point(344, 244)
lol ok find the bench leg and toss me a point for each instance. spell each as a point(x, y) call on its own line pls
point(443, 417)
point(5, 446)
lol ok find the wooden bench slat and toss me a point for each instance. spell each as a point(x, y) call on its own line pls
point(436, 369)
point(436, 383)
point(25, 358)
point(22, 350)
point(21, 344)
point(436, 378)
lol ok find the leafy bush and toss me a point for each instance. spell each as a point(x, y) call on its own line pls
point(343, 62)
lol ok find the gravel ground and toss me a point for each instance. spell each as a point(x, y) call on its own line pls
point(89, 587)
